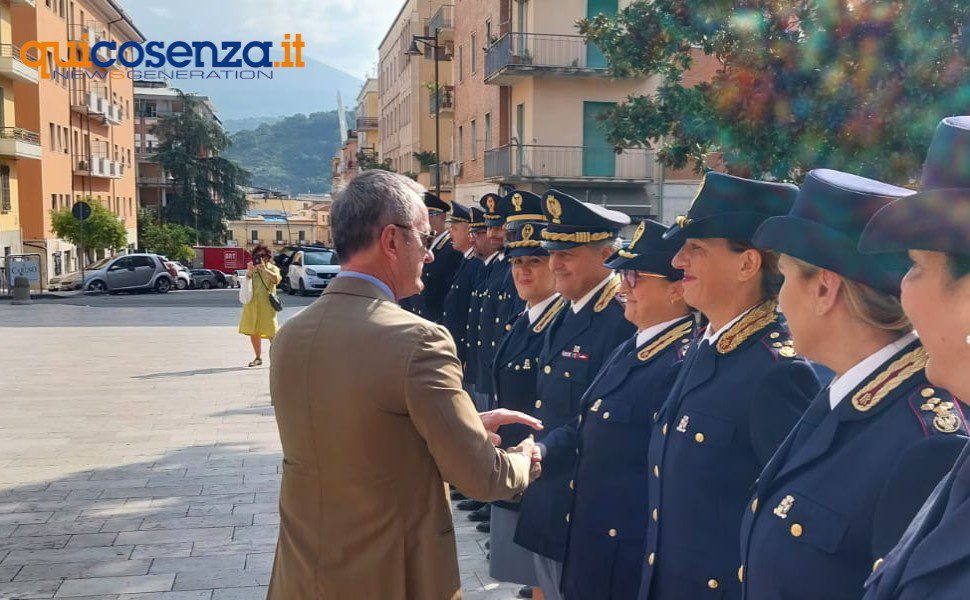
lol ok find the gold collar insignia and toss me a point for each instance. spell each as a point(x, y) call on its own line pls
point(889, 379)
point(757, 319)
point(665, 340)
point(609, 291)
point(549, 315)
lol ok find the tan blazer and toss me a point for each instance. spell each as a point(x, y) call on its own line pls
point(372, 418)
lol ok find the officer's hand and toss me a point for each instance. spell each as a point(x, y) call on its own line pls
point(494, 419)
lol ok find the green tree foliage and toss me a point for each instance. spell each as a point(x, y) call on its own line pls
point(205, 191)
point(170, 239)
point(291, 155)
point(853, 85)
point(103, 230)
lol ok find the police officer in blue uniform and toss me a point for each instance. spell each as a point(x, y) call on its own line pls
point(848, 479)
point(514, 374)
point(607, 519)
point(932, 560)
point(489, 249)
point(741, 390)
point(490, 321)
point(520, 208)
point(579, 237)
point(437, 275)
point(454, 313)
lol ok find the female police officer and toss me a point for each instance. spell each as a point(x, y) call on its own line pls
point(514, 372)
point(933, 558)
point(738, 394)
point(845, 483)
point(608, 522)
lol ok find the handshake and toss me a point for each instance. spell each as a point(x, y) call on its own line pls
point(494, 419)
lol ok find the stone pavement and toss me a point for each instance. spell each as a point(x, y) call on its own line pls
point(142, 462)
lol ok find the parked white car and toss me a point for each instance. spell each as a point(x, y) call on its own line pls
point(311, 271)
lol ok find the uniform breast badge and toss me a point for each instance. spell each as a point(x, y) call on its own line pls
point(682, 426)
point(781, 511)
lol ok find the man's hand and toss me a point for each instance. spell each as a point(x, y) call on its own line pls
point(494, 419)
point(529, 448)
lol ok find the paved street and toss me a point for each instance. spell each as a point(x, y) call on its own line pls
point(139, 459)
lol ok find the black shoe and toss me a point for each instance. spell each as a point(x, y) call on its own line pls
point(484, 526)
point(456, 495)
point(482, 514)
point(488, 556)
point(525, 592)
point(488, 545)
point(470, 504)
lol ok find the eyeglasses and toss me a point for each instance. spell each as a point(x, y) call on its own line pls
point(427, 239)
point(631, 276)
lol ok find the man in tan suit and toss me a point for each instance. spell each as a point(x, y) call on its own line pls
point(373, 418)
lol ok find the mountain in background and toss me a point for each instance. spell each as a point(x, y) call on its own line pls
point(234, 125)
point(291, 155)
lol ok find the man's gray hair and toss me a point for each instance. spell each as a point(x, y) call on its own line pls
point(370, 202)
point(612, 243)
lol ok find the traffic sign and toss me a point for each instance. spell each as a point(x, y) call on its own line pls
point(81, 210)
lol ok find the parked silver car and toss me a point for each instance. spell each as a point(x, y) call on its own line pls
point(130, 272)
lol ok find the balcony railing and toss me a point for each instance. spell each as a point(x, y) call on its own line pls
point(576, 163)
point(445, 98)
point(20, 135)
point(154, 181)
point(442, 171)
point(366, 122)
point(529, 53)
point(12, 65)
point(443, 19)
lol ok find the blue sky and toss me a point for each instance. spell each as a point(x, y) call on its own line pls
point(341, 33)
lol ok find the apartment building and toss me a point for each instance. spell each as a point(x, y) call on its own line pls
point(367, 116)
point(278, 221)
point(17, 145)
point(407, 98)
point(85, 126)
point(153, 101)
point(529, 92)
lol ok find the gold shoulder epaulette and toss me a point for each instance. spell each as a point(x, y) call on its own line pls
point(757, 319)
point(608, 293)
point(549, 315)
point(661, 343)
point(889, 379)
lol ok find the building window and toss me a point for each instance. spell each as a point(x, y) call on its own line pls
point(461, 62)
point(461, 144)
point(474, 140)
point(53, 142)
point(302, 236)
point(229, 235)
point(53, 201)
point(488, 131)
point(488, 32)
point(5, 204)
point(474, 48)
point(279, 235)
point(255, 236)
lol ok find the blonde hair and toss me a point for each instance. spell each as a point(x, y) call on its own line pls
point(876, 309)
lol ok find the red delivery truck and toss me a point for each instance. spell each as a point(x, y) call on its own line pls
point(223, 258)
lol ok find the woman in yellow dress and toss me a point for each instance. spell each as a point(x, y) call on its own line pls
point(258, 319)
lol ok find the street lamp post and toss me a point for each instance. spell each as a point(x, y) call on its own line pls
point(432, 42)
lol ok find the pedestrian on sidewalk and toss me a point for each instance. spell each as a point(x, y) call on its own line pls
point(258, 319)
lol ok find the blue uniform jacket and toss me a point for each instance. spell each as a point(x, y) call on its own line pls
point(437, 277)
point(514, 375)
point(608, 522)
point(575, 347)
point(932, 560)
point(731, 407)
point(473, 327)
point(846, 482)
point(491, 322)
point(454, 314)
